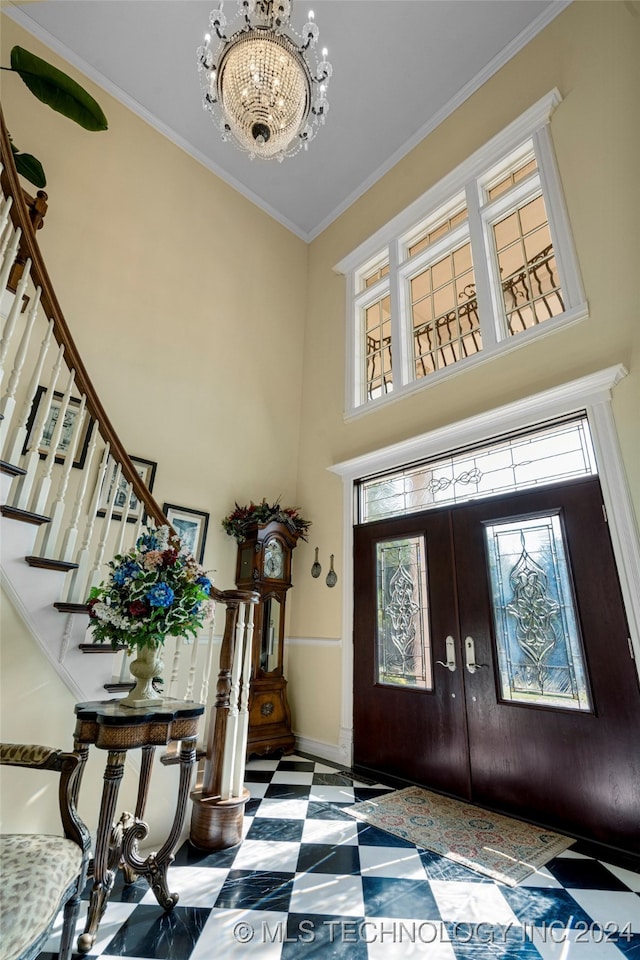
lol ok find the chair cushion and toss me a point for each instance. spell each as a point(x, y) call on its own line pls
point(35, 873)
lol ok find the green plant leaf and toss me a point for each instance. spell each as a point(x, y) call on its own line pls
point(29, 168)
point(58, 90)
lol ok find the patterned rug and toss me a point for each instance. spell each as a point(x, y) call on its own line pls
point(501, 848)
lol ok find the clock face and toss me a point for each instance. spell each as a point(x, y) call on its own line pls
point(273, 565)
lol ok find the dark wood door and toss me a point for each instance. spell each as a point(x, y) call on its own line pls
point(416, 732)
point(546, 705)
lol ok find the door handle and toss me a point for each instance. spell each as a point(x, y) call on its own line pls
point(470, 656)
point(451, 655)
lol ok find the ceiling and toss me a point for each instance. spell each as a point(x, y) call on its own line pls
point(399, 68)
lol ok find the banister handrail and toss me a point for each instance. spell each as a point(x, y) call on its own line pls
point(30, 248)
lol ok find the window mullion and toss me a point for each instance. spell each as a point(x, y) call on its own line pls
point(400, 331)
point(491, 320)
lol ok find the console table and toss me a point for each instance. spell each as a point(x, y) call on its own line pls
point(109, 726)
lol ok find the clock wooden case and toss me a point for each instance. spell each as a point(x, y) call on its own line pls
point(264, 565)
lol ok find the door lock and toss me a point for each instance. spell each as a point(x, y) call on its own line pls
point(451, 655)
point(470, 656)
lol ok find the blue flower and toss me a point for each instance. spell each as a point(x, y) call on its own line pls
point(148, 541)
point(161, 595)
point(128, 571)
point(205, 583)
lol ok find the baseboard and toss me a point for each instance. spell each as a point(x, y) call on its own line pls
point(317, 748)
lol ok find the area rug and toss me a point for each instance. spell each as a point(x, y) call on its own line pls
point(499, 847)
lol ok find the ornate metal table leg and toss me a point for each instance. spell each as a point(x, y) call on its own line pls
point(103, 876)
point(154, 868)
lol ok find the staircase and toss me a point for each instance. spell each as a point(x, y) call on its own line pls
point(71, 499)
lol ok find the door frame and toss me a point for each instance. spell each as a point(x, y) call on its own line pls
point(593, 394)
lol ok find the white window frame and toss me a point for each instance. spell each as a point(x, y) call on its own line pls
point(391, 243)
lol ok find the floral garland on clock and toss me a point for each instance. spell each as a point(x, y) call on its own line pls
point(241, 519)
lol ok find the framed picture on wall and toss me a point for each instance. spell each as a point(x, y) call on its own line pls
point(146, 470)
point(69, 427)
point(191, 527)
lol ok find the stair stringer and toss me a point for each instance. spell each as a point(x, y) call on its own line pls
point(33, 591)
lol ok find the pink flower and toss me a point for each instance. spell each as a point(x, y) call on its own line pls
point(152, 559)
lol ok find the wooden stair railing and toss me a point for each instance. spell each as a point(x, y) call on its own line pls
point(72, 512)
point(30, 250)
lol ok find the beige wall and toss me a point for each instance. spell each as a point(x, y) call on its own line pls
point(590, 52)
point(186, 302)
point(182, 345)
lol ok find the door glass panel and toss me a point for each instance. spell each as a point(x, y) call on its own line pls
point(402, 624)
point(538, 639)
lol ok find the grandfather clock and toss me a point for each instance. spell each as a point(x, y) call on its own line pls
point(264, 565)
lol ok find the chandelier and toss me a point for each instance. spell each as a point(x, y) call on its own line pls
point(263, 88)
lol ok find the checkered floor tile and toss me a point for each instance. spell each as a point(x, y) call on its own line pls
point(309, 881)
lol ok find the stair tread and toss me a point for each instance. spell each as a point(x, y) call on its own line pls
point(11, 469)
point(16, 513)
point(64, 607)
point(101, 647)
point(47, 563)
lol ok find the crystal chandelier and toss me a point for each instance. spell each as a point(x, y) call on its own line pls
point(260, 85)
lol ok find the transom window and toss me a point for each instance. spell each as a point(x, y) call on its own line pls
point(544, 455)
point(480, 264)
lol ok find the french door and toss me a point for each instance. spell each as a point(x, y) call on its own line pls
point(492, 662)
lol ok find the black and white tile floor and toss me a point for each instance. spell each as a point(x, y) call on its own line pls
point(308, 881)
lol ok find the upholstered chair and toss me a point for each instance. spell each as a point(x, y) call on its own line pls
point(40, 874)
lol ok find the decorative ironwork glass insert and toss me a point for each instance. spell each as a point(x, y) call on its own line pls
point(403, 645)
point(527, 264)
point(378, 357)
point(560, 451)
point(538, 639)
point(444, 312)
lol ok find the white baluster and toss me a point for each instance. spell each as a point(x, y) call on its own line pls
point(229, 748)
point(69, 545)
point(8, 401)
point(41, 492)
point(243, 718)
point(25, 484)
point(204, 689)
point(125, 674)
point(175, 667)
point(52, 531)
point(137, 530)
point(119, 547)
point(94, 576)
point(9, 251)
point(5, 210)
point(78, 581)
point(14, 313)
point(188, 694)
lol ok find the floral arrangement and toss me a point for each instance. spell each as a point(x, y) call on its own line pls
point(241, 519)
point(152, 592)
